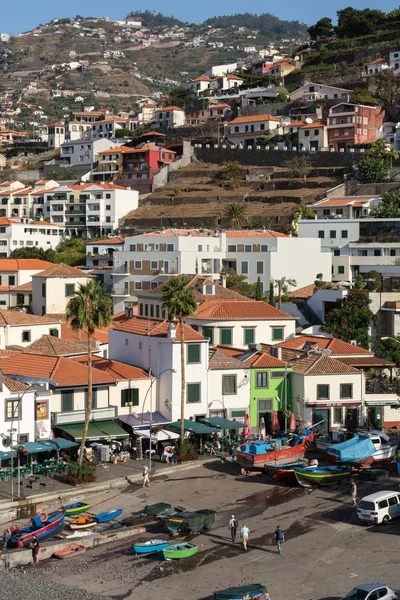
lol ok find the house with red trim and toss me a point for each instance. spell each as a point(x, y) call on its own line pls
point(350, 124)
point(215, 112)
point(146, 161)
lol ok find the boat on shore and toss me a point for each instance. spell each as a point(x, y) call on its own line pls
point(179, 551)
point(109, 515)
point(150, 514)
point(312, 476)
point(283, 472)
point(364, 449)
point(190, 522)
point(150, 546)
point(277, 452)
point(69, 552)
point(83, 523)
point(75, 509)
point(40, 527)
point(241, 592)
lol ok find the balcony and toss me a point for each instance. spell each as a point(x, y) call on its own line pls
point(78, 416)
point(78, 211)
point(378, 386)
point(120, 270)
point(73, 223)
point(120, 290)
point(93, 219)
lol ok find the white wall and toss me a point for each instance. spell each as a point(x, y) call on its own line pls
point(55, 301)
point(263, 329)
point(318, 299)
point(239, 401)
point(79, 398)
point(12, 335)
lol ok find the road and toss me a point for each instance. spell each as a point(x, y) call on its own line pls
point(326, 551)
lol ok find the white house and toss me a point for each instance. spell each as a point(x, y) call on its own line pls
point(85, 150)
point(394, 60)
point(56, 134)
point(17, 271)
point(376, 66)
point(53, 288)
point(107, 128)
point(29, 234)
point(313, 136)
point(200, 84)
point(21, 329)
point(309, 92)
point(228, 384)
point(246, 130)
point(218, 70)
point(170, 116)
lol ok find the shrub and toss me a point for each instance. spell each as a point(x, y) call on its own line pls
point(186, 451)
point(77, 475)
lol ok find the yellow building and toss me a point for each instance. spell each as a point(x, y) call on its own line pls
point(110, 161)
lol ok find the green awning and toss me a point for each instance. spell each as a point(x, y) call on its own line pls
point(192, 427)
point(5, 455)
point(98, 430)
point(32, 448)
point(221, 423)
point(58, 444)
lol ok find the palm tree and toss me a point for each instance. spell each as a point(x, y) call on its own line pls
point(283, 286)
point(89, 310)
point(180, 302)
point(235, 215)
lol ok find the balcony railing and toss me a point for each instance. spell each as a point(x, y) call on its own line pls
point(375, 386)
point(120, 290)
point(78, 416)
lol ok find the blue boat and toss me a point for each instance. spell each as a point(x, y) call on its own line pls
point(150, 546)
point(110, 515)
point(398, 468)
point(41, 528)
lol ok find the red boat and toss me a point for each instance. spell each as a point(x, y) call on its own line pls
point(284, 472)
point(258, 453)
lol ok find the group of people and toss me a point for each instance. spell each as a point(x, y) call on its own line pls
point(233, 525)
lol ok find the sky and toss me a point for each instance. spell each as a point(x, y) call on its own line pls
point(22, 15)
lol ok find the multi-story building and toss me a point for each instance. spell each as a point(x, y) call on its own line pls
point(53, 288)
point(215, 112)
point(100, 260)
point(394, 60)
point(313, 136)
point(350, 124)
point(170, 116)
point(107, 127)
point(246, 130)
point(144, 162)
point(310, 92)
point(91, 209)
point(85, 150)
point(55, 134)
point(28, 234)
point(79, 122)
point(147, 258)
point(18, 201)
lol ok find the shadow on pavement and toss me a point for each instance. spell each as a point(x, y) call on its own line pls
point(392, 528)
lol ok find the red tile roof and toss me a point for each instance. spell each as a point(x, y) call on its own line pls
point(67, 333)
point(197, 282)
point(53, 346)
point(15, 317)
point(314, 125)
point(24, 264)
point(201, 78)
point(108, 241)
point(318, 364)
point(220, 360)
point(168, 108)
point(15, 386)
point(304, 292)
point(338, 347)
point(254, 233)
point(342, 201)
point(153, 327)
point(264, 360)
point(253, 118)
point(115, 368)
point(63, 271)
point(233, 310)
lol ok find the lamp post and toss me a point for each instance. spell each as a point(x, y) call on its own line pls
point(153, 379)
point(11, 431)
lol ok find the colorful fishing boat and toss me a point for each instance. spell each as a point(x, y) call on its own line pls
point(69, 552)
point(150, 546)
point(179, 551)
point(364, 449)
point(276, 452)
point(283, 472)
point(109, 515)
point(83, 522)
point(75, 509)
point(43, 526)
point(241, 592)
point(312, 476)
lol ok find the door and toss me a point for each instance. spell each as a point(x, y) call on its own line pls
point(394, 507)
point(351, 419)
point(267, 416)
point(321, 414)
point(314, 145)
point(375, 416)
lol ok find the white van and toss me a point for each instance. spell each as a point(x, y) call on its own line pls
point(380, 507)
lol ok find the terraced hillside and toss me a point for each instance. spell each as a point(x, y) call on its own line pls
point(197, 196)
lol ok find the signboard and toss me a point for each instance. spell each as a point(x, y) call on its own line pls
point(43, 428)
point(42, 410)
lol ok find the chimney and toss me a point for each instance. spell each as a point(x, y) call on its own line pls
point(171, 335)
point(278, 352)
point(223, 281)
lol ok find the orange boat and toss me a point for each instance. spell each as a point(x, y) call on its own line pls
point(70, 551)
point(83, 523)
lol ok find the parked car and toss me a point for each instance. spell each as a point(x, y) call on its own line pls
point(380, 507)
point(371, 591)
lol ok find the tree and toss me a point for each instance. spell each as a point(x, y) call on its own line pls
point(322, 29)
point(360, 96)
point(375, 164)
point(301, 165)
point(282, 285)
point(271, 295)
point(179, 301)
point(303, 212)
point(237, 283)
point(352, 318)
point(235, 215)
point(27, 252)
point(89, 310)
point(232, 170)
point(389, 348)
point(389, 207)
point(258, 291)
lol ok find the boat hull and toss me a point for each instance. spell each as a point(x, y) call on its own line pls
point(150, 548)
point(283, 472)
point(310, 477)
point(180, 551)
point(53, 524)
point(275, 458)
point(83, 523)
point(108, 516)
point(69, 552)
point(76, 509)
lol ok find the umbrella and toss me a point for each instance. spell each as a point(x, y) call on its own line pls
point(275, 423)
point(292, 425)
point(246, 428)
point(263, 432)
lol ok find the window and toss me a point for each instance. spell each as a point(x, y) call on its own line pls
point(306, 133)
point(228, 384)
point(336, 253)
point(365, 131)
point(383, 504)
point(199, 248)
point(393, 501)
point(345, 233)
point(26, 336)
point(262, 379)
point(193, 353)
point(277, 334)
point(392, 252)
point(94, 398)
point(265, 404)
point(245, 267)
point(138, 265)
point(108, 219)
point(108, 196)
point(193, 392)
point(226, 337)
point(67, 401)
point(321, 234)
point(154, 264)
point(13, 410)
point(340, 270)
point(238, 414)
point(132, 247)
point(332, 234)
point(346, 390)
point(208, 332)
point(277, 374)
point(264, 247)
point(138, 285)
point(130, 397)
point(377, 252)
point(322, 392)
point(260, 267)
point(11, 280)
point(108, 206)
point(170, 247)
point(363, 253)
point(337, 415)
point(249, 336)
point(53, 332)
point(247, 248)
point(209, 289)
point(69, 289)
point(231, 248)
point(316, 132)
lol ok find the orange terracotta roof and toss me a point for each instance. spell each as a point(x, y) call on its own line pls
point(197, 282)
point(342, 201)
point(54, 346)
point(4, 288)
point(338, 347)
point(235, 77)
point(254, 233)
point(24, 264)
point(103, 186)
point(15, 317)
point(114, 150)
point(201, 78)
point(61, 270)
point(4, 222)
point(220, 360)
point(67, 333)
point(252, 119)
point(304, 292)
point(234, 310)
point(295, 124)
point(14, 386)
point(220, 105)
point(154, 328)
point(168, 108)
point(264, 360)
point(314, 125)
point(152, 133)
point(115, 368)
point(108, 241)
point(230, 350)
point(321, 365)
point(378, 61)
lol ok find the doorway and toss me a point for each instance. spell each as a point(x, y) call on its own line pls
point(321, 414)
point(351, 419)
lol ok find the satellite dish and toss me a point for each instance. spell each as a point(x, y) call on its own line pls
point(6, 442)
point(308, 120)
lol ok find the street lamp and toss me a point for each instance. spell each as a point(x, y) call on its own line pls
point(11, 431)
point(153, 379)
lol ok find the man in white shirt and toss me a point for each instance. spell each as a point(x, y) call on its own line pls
point(244, 534)
point(146, 480)
point(232, 526)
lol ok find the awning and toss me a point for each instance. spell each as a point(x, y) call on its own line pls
point(5, 455)
point(160, 436)
point(192, 427)
point(58, 444)
point(32, 448)
point(333, 404)
point(98, 430)
point(221, 423)
point(395, 403)
point(142, 421)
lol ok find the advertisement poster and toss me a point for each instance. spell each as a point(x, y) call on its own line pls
point(43, 427)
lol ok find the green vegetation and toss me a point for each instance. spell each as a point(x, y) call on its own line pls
point(235, 215)
point(70, 252)
point(266, 23)
point(375, 164)
point(389, 207)
point(237, 282)
point(353, 23)
point(152, 19)
point(389, 348)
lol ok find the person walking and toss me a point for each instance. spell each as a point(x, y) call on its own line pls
point(353, 491)
point(35, 549)
point(233, 526)
point(146, 479)
point(7, 537)
point(244, 534)
point(279, 537)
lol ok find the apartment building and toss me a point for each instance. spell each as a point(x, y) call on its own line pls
point(100, 260)
point(170, 116)
point(245, 130)
point(26, 233)
point(79, 122)
point(148, 258)
point(350, 124)
point(85, 150)
point(91, 209)
point(17, 200)
point(310, 92)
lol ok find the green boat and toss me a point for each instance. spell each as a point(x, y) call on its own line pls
point(75, 509)
point(242, 592)
point(155, 509)
point(190, 522)
point(311, 476)
point(179, 551)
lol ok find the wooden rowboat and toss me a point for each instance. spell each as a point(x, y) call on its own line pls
point(150, 546)
point(242, 592)
point(179, 551)
point(75, 509)
point(83, 523)
point(42, 529)
point(69, 552)
point(283, 472)
point(109, 515)
point(312, 476)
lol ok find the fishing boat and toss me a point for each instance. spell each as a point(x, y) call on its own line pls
point(283, 472)
point(149, 514)
point(311, 476)
point(150, 546)
point(208, 516)
point(111, 527)
point(190, 522)
point(83, 523)
point(276, 452)
point(75, 509)
point(241, 592)
point(364, 449)
point(109, 515)
point(43, 526)
point(69, 552)
point(179, 551)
